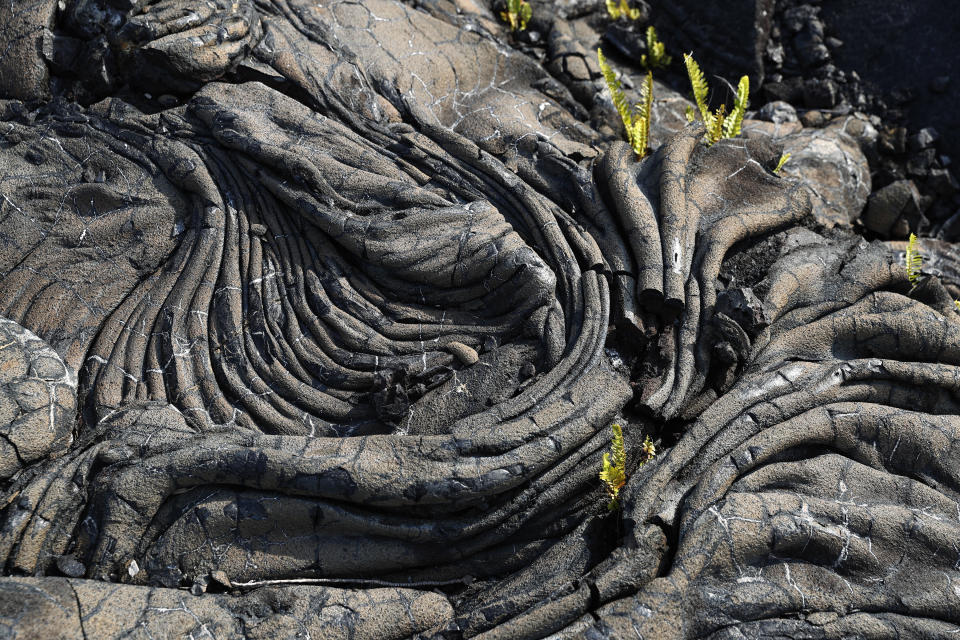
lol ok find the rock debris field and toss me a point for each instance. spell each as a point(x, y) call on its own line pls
point(316, 317)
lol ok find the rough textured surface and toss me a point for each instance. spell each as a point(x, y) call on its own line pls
point(918, 62)
point(731, 35)
point(38, 394)
point(353, 292)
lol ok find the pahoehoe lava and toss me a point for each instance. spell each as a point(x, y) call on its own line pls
point(314, 317)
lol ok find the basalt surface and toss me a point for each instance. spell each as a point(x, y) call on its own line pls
point(316, 316)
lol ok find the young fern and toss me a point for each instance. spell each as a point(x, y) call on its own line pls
point(782, 161)
point(614, 471)
point(656, 56)
point(731, 125)
point(700, 88)
point(622, 10)
point(715, 128)
point(613, 86)
point(719, 124)
point(518, 13)
point(636, 122)
point(914, 260)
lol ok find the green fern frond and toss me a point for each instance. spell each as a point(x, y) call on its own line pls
point(914, 260)
point(637, 126)
point(690, 113)
point(731, 127)
point(622, 10)
point(614, 472)
point(715, 128)
point(700, 88)
point(518, 13)
point(616, 92)
point(656, 56)
point(640, 138)
point(782, 161)
point(718, 124)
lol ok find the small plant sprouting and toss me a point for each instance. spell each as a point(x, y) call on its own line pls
point(782, 161)
point(637, 121)
point(719, 124)
point(656, 56)
point(518, 13)
point(622, 10)
point(614, 472)
point(914, 260)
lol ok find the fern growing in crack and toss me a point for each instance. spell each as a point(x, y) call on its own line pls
point(784, 157)
point(518, 13)
point(914, 260)
point(622, 10)
point(614, 471)
point(636, 122)
point(719, 124)
point(656, 56)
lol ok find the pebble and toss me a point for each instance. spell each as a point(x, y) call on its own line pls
point(924, 139)
point(888, 210)
point(221, 577)
point(70, 566)
point(465, 354)
point(778, 112)
point(813, 118)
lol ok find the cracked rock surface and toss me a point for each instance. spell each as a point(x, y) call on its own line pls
point(316, 315)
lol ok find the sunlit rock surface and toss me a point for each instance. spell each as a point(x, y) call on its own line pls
point(317, 314)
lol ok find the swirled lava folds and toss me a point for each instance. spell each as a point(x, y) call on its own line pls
point(316, 316)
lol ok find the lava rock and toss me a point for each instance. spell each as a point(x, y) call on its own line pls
point(813, 118)
point(467, 355)
point(918, 52)
point(820, 93)
point(743, 306)
point(729, 39)
point(70, 566)
point(942, 182)
point(811, 50)
point(893, 210)
point(778, 112)
point(924, 139)
point(893, 141)
point(832, 163)
point(788, 90)
point(919, 164)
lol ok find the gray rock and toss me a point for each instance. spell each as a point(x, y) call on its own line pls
point(259, 284)
point(893, 210)
point(924, 139)
point(37, 400)
point(778, 112)
point(820, 93)
point(69, 566)
point(831, 163)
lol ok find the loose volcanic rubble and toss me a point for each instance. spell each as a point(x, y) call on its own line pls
point(316, 315)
